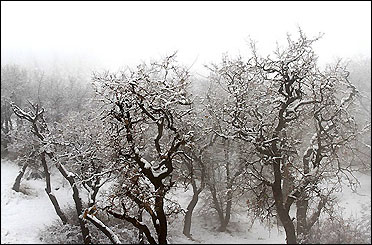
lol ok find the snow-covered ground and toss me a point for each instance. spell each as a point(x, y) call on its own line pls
point(239, 230)
point(24, 216)
point(354, 202)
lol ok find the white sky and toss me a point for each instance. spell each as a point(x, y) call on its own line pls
point(115, 34)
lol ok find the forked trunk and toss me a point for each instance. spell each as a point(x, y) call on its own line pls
point(283, 213)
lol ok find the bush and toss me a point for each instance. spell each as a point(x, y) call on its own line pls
point(70, 233)
point(336, 229)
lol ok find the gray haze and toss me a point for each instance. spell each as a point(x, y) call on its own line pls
point(114, 34)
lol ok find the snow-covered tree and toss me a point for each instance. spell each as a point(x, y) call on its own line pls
point(79, 158)
point(291, 111)
point(57, 93)
point(224, 161)
point(145, 108)
point(13, 87)
point(82, 144)
point(35, 145)
point(193, 167)
point(360, 75)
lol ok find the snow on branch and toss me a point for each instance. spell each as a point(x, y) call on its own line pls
point(107, 231)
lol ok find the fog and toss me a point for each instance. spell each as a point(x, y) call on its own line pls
point(111, 35)
point(228, 126)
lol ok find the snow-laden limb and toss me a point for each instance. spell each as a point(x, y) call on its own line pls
point(354, 92)
point(156, 171)
point(136, 151)
point(29, 116)
point(139, 224)
point(110, 168)
point(266, 142)
point(292, 196)
point(70, 174)
point(21, 113)
point(147, 164)
point(106, 230)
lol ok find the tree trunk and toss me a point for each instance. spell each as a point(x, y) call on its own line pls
point(301, 214)
point(76, 196)
point(282, 212)
point(223, 226)
point(216, 203)
point(140, 232)
point(226, 217)
point(188, 216)
point(195, 197)
point(288, 226)
point(4, 142)
point(302, 203)
point(287, 182)
point(93, 194)
point(17, 181)
point(79, 210)
point(134, 222)
point(159, 207)
point(48, 190)
point(226, 220)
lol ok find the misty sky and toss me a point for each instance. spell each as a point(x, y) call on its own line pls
point(115, 34)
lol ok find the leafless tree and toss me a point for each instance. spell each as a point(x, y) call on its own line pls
point(193, 168)
point(38, 128)
point(274, 105)
point(147, 103)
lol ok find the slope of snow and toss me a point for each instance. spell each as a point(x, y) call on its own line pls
point(204, 228)
point(23, 216)
point(353, 202)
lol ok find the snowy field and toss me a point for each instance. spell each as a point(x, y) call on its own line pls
point(24, 216)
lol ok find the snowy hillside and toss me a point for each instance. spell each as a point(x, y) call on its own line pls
point(23, 217)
